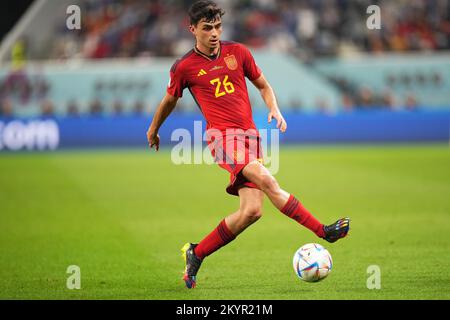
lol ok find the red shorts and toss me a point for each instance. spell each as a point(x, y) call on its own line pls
point(233, 153)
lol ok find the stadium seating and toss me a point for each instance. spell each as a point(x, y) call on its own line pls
point(419, 76)
point(318, 55)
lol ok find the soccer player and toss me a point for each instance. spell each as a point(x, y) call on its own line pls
point(214, 71)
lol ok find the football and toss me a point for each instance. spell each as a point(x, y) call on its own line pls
point(312, 262)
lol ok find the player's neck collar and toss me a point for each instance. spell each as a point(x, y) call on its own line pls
point(209, 57)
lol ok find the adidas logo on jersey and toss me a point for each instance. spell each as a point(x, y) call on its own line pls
point(216, 68)
point(201, 73)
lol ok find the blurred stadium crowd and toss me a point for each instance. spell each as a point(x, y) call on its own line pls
point(116, 28)
point(306, 29)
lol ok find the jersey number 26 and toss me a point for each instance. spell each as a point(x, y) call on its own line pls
point(228, 86)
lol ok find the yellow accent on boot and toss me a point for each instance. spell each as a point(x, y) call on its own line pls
point(184, 250)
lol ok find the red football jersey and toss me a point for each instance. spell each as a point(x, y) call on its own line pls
point(218, 84)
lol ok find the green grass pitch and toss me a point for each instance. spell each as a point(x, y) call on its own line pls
point(122, 217)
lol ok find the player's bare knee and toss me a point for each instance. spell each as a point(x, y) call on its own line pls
point(251, 213)
point(269, 185)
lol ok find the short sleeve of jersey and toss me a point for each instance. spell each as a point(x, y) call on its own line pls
point(176, 82)
point(251, 69)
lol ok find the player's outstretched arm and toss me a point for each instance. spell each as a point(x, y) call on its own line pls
point(271, 102)
point(166, 106)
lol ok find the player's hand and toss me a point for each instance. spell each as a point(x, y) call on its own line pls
point(281, 123)
point(153, 140)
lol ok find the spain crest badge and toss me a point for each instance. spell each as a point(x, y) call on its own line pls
point(231, 62)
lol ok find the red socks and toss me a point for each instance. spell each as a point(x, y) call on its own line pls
point(295, 210)
point(219, 237)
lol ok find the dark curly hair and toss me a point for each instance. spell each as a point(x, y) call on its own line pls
point(206, 9)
